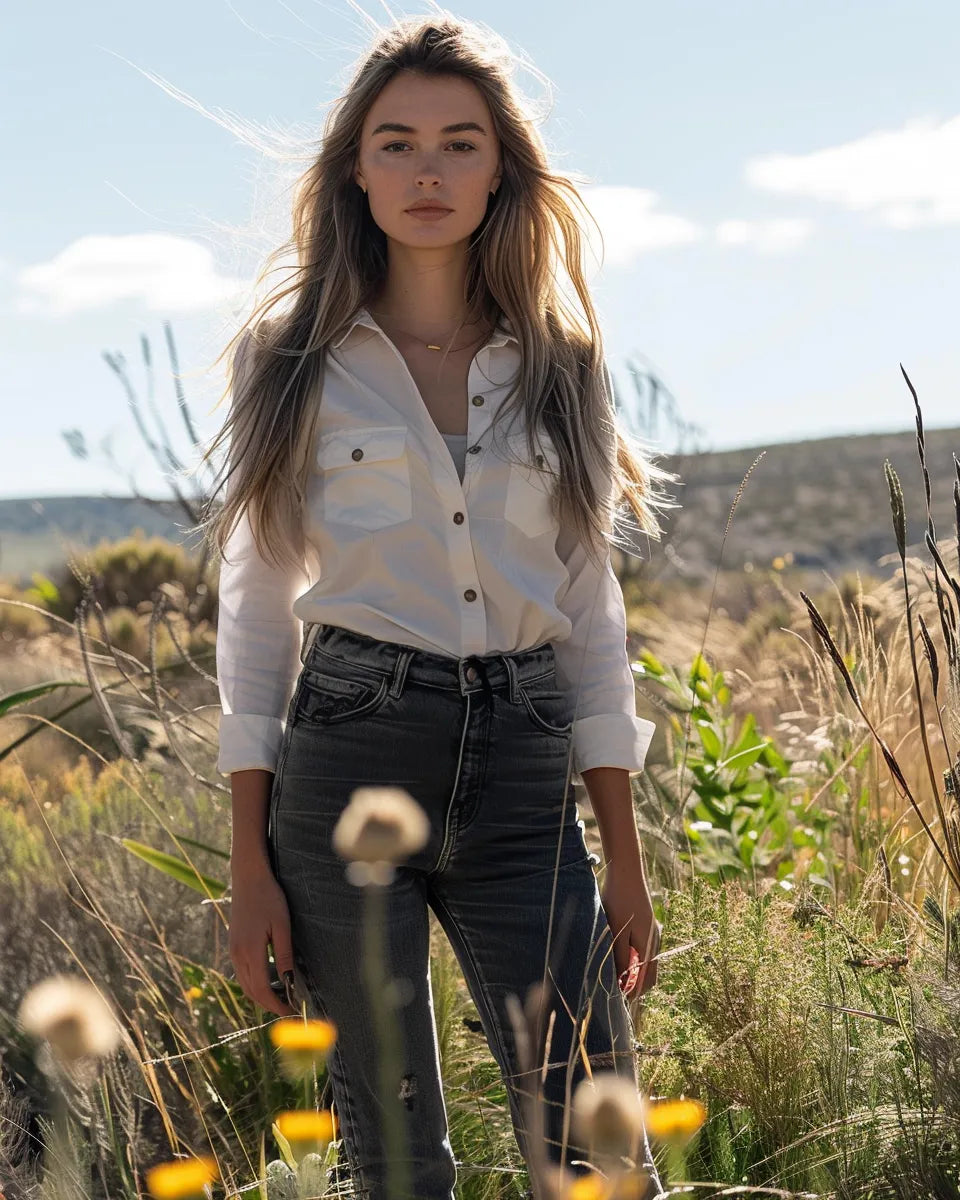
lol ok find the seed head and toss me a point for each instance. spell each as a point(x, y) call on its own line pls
point(608, 1116)
point(380, 824)
point(70, 1014)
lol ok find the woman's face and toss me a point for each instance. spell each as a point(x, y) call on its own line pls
point(426, 160)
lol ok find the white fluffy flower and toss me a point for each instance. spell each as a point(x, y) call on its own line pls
point(380, 824)
point(70, 1014)
point(608, 1116)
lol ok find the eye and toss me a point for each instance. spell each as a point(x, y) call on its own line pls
point(459, 142)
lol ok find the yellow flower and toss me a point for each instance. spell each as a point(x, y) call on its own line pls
point(72, 1016)
point(674, 1120)
point(307, 1130)
point(193, 993)
point(588, 1187)
point(291, 1033)
point(779, 563)
point(301, 1044)
point(183, 1179)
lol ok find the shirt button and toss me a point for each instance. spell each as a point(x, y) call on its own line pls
point(471, 673)
point(474, 450)
point(469, 594)
point(477, 400)
point(458, 518)
point(357, 454)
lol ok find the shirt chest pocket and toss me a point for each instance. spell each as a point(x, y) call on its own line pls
point(365, 476)
point(531, 485)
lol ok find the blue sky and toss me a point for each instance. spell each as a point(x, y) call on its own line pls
point(778, 185)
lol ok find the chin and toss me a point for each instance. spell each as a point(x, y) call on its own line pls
point(436, 233)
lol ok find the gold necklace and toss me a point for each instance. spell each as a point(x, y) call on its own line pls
point(429, 345)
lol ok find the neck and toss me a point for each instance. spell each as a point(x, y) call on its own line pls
point(424, 288)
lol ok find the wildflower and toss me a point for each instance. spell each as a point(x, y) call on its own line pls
point(193, 993)
point(302, 1045)
point(380, 826)
point(70, 1014)
point(608, 1116)
point(588, 1187)
point(296, 1034)
point(182, 1179)
point(674, 1120)
point(307, 1130)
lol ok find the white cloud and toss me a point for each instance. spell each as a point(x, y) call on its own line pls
point(907, 177)
point(769, 237)
point(167, 274)
point(631, 225)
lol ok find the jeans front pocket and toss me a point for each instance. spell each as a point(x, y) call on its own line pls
point(332, 690)
point(547, 706)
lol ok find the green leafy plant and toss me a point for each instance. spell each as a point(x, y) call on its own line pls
point(739, 814)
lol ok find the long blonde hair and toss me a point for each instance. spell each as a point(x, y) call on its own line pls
point(563, 384)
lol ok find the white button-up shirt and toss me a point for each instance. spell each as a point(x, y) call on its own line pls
point(399, 549)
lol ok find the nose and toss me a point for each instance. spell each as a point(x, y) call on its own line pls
point(427, 173)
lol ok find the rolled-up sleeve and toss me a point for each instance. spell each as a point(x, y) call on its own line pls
point(593, 665)
point(258, 644)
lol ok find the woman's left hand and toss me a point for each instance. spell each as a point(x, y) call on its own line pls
point(636, 929)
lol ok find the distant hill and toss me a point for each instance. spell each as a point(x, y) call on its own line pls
point(34, 531)
point(824, 500)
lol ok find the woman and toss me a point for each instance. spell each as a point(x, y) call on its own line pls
point(410, 596)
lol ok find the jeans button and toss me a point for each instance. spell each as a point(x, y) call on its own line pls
point(471, 674)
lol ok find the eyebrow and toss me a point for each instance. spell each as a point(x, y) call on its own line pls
point(395, 127)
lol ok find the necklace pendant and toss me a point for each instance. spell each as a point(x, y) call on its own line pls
point(429, 347)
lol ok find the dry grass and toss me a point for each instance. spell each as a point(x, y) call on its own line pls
point(814, 1004)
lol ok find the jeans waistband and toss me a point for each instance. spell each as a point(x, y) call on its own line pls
point(506, 670)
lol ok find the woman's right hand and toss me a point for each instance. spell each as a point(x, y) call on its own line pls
point(258, 915)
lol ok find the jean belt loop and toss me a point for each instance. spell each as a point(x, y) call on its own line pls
point(309, 636)
point(400, 672)
point(512, 676)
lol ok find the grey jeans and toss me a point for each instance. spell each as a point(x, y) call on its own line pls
point(481, 743)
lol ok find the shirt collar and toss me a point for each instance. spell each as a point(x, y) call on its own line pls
point(502, 334)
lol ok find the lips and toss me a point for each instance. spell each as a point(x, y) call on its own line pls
point(429, 208)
